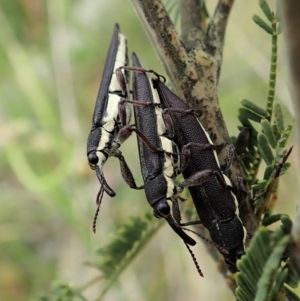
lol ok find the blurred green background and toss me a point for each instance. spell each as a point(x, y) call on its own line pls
point(51, 55)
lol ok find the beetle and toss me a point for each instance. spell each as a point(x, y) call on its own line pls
point(104, 139)
point(159, 157)
point(210, 188)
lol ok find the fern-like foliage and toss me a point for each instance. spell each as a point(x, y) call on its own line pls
point(127, 241)
point(265, 272)
point(124, 246)
point(252, 112)
point(269, 143)
point(63, 292)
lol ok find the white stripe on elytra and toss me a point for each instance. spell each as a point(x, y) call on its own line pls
point(166, 144)
point(111, 114)
point(114, 86)
point(210, 142)
point(228, 182)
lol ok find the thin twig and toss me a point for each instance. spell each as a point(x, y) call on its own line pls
point(192, 25)
point(215, 33)
point(164, 37)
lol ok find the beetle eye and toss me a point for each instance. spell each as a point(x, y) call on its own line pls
point(162, 210)
point(93, 159)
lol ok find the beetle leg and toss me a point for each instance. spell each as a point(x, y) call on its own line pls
point(126, 173)
point(198, 178)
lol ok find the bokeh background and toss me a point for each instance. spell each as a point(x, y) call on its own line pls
point(52, 55)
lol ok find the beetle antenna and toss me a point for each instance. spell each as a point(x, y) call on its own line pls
point(195, 260)
point(95, 219)
point(98, 203)
point(221, 249)
point(99, 196)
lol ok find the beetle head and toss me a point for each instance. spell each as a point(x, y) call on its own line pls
point(92, 145)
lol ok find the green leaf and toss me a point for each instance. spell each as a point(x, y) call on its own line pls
point(287, 223)
point(264, 149)
point(285, 135)
point(275, 132)
point(263, 287)
point(278, 117)
point(284, 168)
point(267, 129)
point(204, 9)
point(271, 219)
point(280, 151)
point(277, 293)
point(259, 185)
point(266, 10)
point(253, 107)
point(292, 279)
point(268, 172)
point(261, 23)
point(250, 114)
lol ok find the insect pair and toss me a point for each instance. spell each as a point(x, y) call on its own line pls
point(111, 127)
point(170, 141)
